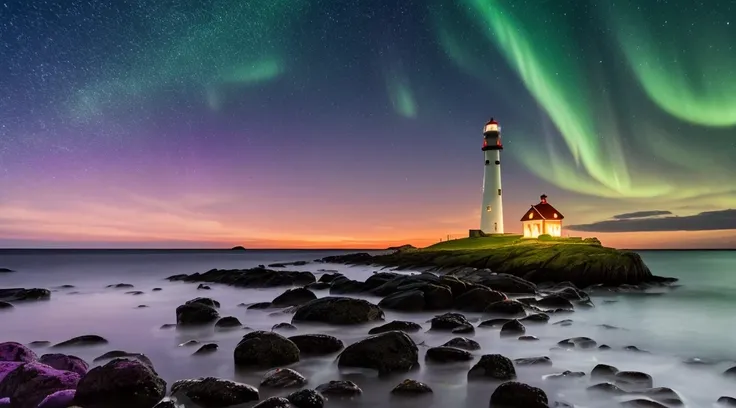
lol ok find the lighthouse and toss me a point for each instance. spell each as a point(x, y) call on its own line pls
point(491, 215)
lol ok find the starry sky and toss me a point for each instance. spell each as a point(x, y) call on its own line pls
point(349, 123)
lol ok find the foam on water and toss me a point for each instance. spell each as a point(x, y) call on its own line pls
point(691, 321)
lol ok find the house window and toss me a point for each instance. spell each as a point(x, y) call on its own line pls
point(499, 191)
point(531, 215)
point(555, 215)
point(488, 208)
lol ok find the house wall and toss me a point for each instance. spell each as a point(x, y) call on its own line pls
point(553, 228)
point(533, 228)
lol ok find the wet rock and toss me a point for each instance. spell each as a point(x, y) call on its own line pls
point(120, 286)
point(202, 286)
point(411, 387)
point(387, 353)
point(193, 314)
point(189, 343)
point(228, 322)
point(58, 399)
point(283, 378)
point(124, 354)
point(7, 366)
point(493, 367)
point(64, 362)
point(262, 349)
point(457, 286)
point(24, 295)
point(535, 318)
point(294, 297)
point(306, 398)
point(535, 361)
point(274, 402)
point(318, 286)
point(436, 297)
point(345, 286)
point(317, 344)
point(561, 404)
point(142, 306)
point(578, 342)
point(528, 338)
point(5, 305)
point(566, 375)
point(339, 389)
point(555, 302)
point(566, 322)
point(409, 301)
point(329, 274)
point(38, 343)
point(6, 270)
point(606, 388)
point(494, 322)
point(134, 293)
point(86, 340)
point(634, 379)
point(731, 372)
point(512, 328)
point(497, 281)
point(283, 326)
point(12, 351)
point(467, 329)
point(259, 277)
point(449, 322)
point(663, 394)
point(168, 326)
point(635, 349)
point(727, 401)
point(478, 299)
point(642, 403)
point(208, 348)
point(445, 354)
point(204, 301)
point(604, 347)
point(213, 392)
point(260, 306)
point(120, 383)
point(156, 290)
point(30, 383)
point(507, 308)
point(514, 394)
point(603, 372)
point(463, 343)
point(406, 327)
point(339, 311)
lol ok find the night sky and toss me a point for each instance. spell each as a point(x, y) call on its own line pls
point(354, 123)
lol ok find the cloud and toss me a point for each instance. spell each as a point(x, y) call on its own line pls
point(704, 221)
point(641, 214)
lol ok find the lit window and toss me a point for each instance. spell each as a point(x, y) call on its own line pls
point(488, 208)
point(531, 215)
point(555, 215)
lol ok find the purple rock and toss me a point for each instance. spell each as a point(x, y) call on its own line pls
point(6, 367)
point(65, 362)
point(59, 399)
point(120, 383)
point(30, 383)
point(12, 351)
point(4, 402)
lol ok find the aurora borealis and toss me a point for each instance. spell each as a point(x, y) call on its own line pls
point(329, 123)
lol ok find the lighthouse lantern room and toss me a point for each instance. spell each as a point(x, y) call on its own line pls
point(491, 218)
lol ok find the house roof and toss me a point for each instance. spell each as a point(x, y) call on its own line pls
point(543, 211)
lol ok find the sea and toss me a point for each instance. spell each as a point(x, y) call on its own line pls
point(688, 332)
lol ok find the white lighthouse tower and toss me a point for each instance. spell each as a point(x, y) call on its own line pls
point(491, 215)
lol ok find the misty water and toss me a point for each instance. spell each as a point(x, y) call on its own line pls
point(694, 320)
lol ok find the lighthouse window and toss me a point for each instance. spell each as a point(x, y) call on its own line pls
point(488, 162)
point(488, 208)
point(499, 193)
point(498, 162)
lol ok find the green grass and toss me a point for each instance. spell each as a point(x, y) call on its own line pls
point(498, 241)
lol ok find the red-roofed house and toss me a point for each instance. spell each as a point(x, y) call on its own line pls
point(542, 219)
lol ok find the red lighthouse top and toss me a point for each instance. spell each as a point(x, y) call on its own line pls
point(492, 122)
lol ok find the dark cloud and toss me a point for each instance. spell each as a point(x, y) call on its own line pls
point(641, 214)
point(710, 220)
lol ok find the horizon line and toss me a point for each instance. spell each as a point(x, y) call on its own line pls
point(307, 249)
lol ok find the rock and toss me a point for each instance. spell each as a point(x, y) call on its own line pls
point(497, 281)
point(274, 402)
point(22, 294)
point(124, 354)
point(5, 305)
point(535, 318)
point(411, 387)
point(409, 301)
point(512, 328)
point(534, 361)
point(189, 343)
point(493, 367)
point(259, 306)
point(121, 286)
point(578, 342)
point(565, 375)
point(80, 341)
point(506, 308)
point(6, 270)
point(283, 326)
point(317, 344)
point(4, 402)
point(294, 297)
point(457, 286)
point(7, 366)
point(566, 322)
point(30, 383)
point(64, 362)
point(208, 348)
point(606, 388)
point(168, 326)
point(555, 302)
point(228, 322)
point(387, 353)
point(166, 403)
point(39, 343)
point(514, 394)
point(494, 322)
point(204, 301)
point(344, 286)
point(120, 383)
point(445, 354)
point(213, 392)
point(450, 322)
point(731, 372)
point(202, 286)
point(642, 403)
point(478, 299)
point(58, 399)
point(238, 248)
point(663, 394)
point(727, 401)
point(283, 378)
point(262, 349)
point(528, 338)
point(306, 398)
point(406, 327)
point(463, 343)
point(134, 293)
point(193, 314)
point(156, 290)
point(634, 379)
point(142, 306)
point(339, 389)
point(259, 277)
point(318, 286)
point(604, 347)
point(339, 311)
point(635, 349)
point(12, 351)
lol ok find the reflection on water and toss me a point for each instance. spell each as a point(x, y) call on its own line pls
point(672, 327)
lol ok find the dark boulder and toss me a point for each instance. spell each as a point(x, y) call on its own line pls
point(445, 354)
point(565, 375)
point(208, 348)
point(555, 302)
point(409, 301)
point(731, 372)
point(642, 403)
point(58, 399)
point(23, 295)
point(283, 327)
point(6, 270)
point(306, 398)
point(578, 342)
point(501, 282)
point(86, 340)
point(535, 318)
point(381, 278)
point(533, 361)
point(120, 286)
point(606, 388)
point(274, 402)
point(387, 353)
point(317, 344)
point(463, 343)
point(478, 299)
point(566, 322)
point(283, 378)
point(411, 387)
point(201, 286)
point(65, 363)
point(345, 286)
point(39, 344)
point(7, 366)
point(634, 379)
point(121, 383)
point(204, 301)
point(193, 314)
point(360, 258)
point(259, 277)
point(228, 322)
point(318, 286)
point(493, 367)
point(506, 308)
point(528, 338)
point(338, 310)
point(457, 286)
point(5, 305)
point(262, 349)
point(514, 394)
point(450, 322)
point(30, 383)
point(214, 392)
point(512, 328)
point(12, 351)
point(494, 323)
point(329, 275)
point(406, 327)
point(339, 389)
point(294, 297)
point(260, 306)
point(124, 354)
point(727, 401)
point(437, 297)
